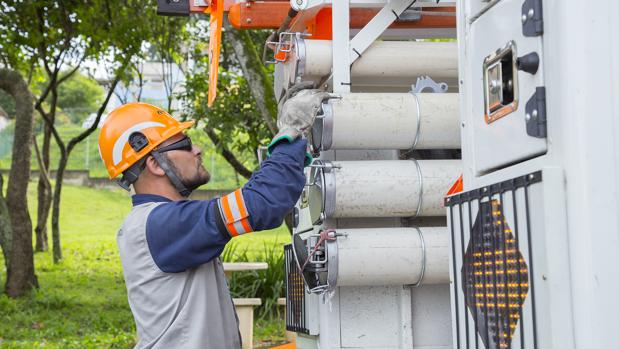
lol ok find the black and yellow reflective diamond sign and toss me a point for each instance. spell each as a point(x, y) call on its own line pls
point(496, 277)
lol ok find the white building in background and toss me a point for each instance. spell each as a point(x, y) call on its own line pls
point(157, 82)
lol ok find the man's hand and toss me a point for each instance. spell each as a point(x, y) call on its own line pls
point(298, 109)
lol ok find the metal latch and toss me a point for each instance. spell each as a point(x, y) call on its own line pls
point(535, 116)
point(532, 18)
point(500, 83)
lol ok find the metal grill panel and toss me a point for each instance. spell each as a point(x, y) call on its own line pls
point(295, 295)
point(492, 267)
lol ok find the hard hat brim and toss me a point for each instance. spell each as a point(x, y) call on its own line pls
point(169, 133)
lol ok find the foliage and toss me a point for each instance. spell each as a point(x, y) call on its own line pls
point(267, 285)
point(79, 96)
point(234, 116)
point(79, 32)
point(82, 302)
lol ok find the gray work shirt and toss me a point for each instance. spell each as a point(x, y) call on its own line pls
point(170, 254)
point(187, 309)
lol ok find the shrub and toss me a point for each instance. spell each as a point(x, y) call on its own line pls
point(267, 285)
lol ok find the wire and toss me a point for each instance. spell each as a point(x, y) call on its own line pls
point(324, 236)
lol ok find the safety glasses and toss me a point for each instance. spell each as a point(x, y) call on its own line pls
point(183, 144)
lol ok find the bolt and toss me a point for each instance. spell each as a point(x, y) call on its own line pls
point(527, 117)
point(524, 19)
point(534, 113)
point(531, 176)
point(544, 277)
point(299, 2)
point(248, 4)
point(531, 13)
point(248, 20)
point(463, 124)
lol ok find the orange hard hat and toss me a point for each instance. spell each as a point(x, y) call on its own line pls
point(154, 123)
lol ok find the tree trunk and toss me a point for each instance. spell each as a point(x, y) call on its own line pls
point(258, 78)
point(227, 154)
point(20, 276)
point(44, 198)
point(5, 227)
point(44, 188)
point(44, 192)
point(57, 249)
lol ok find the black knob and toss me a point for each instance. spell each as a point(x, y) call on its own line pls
point(528, 63)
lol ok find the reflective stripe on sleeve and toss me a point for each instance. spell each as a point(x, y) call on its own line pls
point(234, 213)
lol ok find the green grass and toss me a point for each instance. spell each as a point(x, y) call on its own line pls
point(81, 302)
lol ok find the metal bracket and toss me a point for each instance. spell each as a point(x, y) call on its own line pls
point(532, 18)
point(376, 26)
point(422, 272)
point(535, 116)
point(426, 82)
point(283, 45)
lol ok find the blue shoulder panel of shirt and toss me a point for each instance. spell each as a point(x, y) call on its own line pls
point(186, 234)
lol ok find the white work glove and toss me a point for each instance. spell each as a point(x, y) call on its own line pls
point(297, 112)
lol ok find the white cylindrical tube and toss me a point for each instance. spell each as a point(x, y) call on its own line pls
point(392, 256)
point(390, 120)
point(389, 188)
point(386, 59)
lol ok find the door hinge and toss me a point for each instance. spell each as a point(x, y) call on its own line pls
point(532, 18)
point(535, 114)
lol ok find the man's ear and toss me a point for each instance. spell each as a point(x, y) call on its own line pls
point(153, 167)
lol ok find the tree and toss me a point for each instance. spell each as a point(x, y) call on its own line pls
point(79, 96)
point(257, 75)
point(121, 40)
point(20, 273)
point(244, 113)
point(45, 35)
point(58, 36)
point(65, 152)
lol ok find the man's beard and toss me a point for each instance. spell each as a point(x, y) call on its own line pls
point(192, 183)
point(196, 181)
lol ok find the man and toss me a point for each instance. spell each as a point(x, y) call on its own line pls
point(169, 246)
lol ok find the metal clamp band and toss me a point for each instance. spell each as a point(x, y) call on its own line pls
point(418, 131)
point(420, 200)
point(423, 260)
